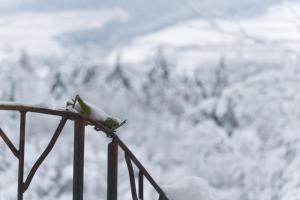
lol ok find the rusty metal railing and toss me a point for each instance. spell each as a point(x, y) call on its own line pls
point(78, 163)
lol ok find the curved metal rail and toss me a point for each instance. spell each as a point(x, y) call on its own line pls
point(78, 163)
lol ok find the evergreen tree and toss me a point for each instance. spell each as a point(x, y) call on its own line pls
point(58, 87)
point(119, 76)
point(157, 80)
point(221, 79)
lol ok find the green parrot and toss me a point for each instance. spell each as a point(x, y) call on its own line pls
point(86, 109)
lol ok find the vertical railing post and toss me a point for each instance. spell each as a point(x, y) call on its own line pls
point(21, 156)
point(112, 171)
point(78, 163)
point(141, 185)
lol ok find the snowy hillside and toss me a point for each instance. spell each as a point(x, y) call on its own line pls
point(196, 40)
point(144, 16)
point(36, 32)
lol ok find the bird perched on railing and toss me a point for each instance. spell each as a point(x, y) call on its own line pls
point(85, 108)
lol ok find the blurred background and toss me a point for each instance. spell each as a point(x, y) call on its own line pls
point(210, 89)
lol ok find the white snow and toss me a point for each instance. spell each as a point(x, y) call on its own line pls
point(96, 112)
point(189, 188)
point(35, 32)
point(277, 26)
point(38, 105)
point(174, 128)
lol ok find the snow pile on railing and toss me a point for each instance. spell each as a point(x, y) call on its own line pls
point(22, 104)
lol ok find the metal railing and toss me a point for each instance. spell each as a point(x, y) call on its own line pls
point(78, 163)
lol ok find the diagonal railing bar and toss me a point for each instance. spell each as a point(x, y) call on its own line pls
point(9, 143)
point(140, 166)
point(45, 153)
point(131, 177)
point(161, 197)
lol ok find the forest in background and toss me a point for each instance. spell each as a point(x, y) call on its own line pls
point(232, 118)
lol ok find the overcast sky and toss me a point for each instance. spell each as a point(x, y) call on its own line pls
point(133, 5)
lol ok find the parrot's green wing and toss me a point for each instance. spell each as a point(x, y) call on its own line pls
point(85, 108)
point(113, 123)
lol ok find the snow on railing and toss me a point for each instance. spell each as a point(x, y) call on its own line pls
point(78, 164)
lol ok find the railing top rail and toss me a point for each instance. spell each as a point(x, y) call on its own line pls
point(50, 111)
